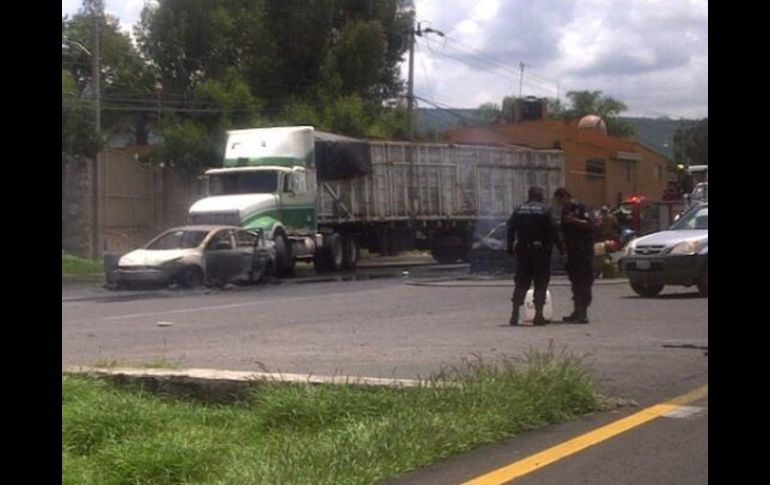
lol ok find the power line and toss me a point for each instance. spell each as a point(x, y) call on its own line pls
point(481, 65)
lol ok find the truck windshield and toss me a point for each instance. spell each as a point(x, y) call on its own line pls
point(261, 182)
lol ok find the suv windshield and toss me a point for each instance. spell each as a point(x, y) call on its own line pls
point(695, 219)
point(262, 182)
point(178, 240)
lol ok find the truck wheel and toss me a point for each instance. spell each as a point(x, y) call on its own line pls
point(350, 252)
point(320, 261)
point(190, 277)
point(284, 262)
point(703, 281)
point(334, 251)
point(647, 291)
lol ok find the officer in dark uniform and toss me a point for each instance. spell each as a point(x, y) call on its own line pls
point(534, 229)
point(577, 229)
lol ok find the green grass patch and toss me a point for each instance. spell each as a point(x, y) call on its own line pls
point(321, 434)
point(72, 266)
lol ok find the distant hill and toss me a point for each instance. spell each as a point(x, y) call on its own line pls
point(655, 133)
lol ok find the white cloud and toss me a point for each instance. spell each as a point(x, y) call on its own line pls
point(651, 54)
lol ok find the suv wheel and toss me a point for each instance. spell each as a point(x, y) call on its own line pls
point(647, 291)
point(703, 282)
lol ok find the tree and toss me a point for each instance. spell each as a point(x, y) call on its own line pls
point(78, 134)
point(489, 112)
point(190, 42)
point(331, 62)
point(691, 143)
point(608, 108)
point(126, 79)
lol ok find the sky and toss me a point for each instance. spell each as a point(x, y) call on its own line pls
point(650, 54)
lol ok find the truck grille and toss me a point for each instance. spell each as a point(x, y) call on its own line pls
point(216, 218)
point(649, 250)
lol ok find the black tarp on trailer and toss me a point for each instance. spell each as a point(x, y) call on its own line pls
point(341, 157)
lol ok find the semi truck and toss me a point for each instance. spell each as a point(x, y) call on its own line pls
point(322, 197)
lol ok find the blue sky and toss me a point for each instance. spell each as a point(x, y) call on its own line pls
point(651, 54)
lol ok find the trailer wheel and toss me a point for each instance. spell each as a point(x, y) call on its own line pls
point(320, 261)
point(334, 251)
point(351, 251)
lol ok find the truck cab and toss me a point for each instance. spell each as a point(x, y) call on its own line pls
point(267, 182)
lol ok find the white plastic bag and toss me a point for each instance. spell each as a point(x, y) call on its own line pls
point(529, 307)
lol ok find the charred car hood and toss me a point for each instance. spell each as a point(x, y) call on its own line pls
point(156, 257)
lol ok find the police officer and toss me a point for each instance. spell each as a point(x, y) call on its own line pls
point(577, 229)
point(534, 229)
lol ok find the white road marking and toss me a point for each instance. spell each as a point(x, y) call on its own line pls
point(685, 412)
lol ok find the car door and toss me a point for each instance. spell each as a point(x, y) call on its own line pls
point(248, 247)
point(223, 259)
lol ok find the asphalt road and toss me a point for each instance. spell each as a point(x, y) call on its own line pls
point(645, 350)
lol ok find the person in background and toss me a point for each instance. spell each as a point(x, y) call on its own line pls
point(609, 228)
point(577, 229)
point(534, 231)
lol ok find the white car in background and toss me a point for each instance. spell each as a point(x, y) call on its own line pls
point(676, 256)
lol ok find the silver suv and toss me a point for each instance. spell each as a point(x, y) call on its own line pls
point(676, 256)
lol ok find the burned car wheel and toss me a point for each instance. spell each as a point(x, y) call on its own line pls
point(262, 275)
point(646, 290)
point(190, 277)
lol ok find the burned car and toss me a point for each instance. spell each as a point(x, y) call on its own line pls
point(488, 253)
point(190, 256)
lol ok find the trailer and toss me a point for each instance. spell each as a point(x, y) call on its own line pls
point(322, 197)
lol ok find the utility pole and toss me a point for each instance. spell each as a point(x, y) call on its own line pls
point(97, 10)
point(521, 79)
point(410, 96)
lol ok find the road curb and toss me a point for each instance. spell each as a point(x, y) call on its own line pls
point(212, 385)
point(505, 283)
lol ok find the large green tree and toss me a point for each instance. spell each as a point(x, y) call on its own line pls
point(243, 63)
point(691, 143)
point(126, 81)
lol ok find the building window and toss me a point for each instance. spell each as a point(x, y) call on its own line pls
point(595, 169)
point(658, 173)
point(629, 165)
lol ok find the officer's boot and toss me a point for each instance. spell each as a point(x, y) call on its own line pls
point(539, 318)
point(571, 318)
point(581, 314)
point(514, 315)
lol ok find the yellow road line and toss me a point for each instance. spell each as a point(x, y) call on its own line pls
point(562, 450)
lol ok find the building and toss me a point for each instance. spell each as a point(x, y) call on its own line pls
point(599, 168)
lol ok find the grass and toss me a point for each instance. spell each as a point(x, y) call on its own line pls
point(73, 266)
point(289, 433)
